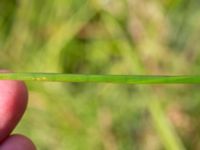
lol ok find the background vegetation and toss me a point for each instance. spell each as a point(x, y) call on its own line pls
point(106, 37)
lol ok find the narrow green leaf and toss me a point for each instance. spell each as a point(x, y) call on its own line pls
point(166, 131)
point(122, 79)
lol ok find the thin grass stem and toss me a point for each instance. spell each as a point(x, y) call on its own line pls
point(121, 79)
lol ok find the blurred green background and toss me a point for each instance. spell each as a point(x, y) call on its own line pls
point(106, 37)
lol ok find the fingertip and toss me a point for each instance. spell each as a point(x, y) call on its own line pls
point(17, 142)
point(13, 103)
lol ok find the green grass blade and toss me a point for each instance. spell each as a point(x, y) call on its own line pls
point(167, 133)
point(122, 79)
point(64, 34)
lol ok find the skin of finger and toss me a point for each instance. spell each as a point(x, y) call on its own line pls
point(17, 142)
point(13, 102)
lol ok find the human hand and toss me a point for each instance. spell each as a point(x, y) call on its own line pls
point(13, 102)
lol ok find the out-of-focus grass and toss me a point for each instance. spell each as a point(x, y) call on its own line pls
point(114, 36)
